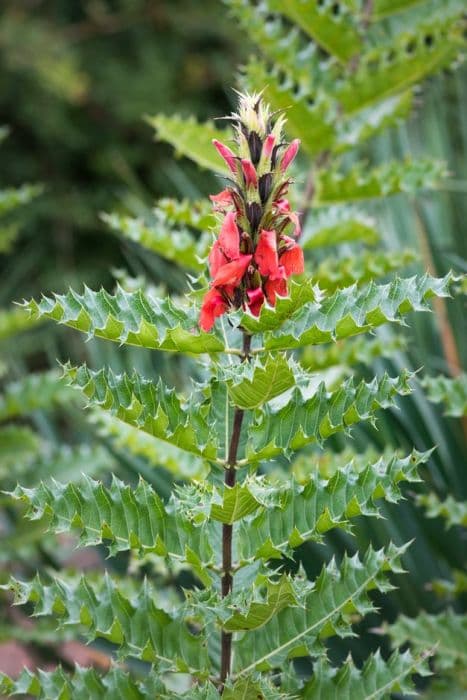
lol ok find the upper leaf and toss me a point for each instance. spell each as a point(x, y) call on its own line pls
point(191, 139)
point(133, 318)
point(345, 313)
point(336, 225)
point(360, 182)
point(336, 32)
point(34, 392)
point(454, 512)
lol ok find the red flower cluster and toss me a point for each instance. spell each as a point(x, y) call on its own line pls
point(253, 257)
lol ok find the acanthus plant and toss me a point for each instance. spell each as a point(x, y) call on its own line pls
point(249, 613)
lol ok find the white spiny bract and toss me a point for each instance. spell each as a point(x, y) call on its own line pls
point(289, 404)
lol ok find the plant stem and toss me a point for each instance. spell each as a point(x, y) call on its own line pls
point(227, 530)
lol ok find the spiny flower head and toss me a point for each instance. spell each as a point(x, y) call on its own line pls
point(253, 256)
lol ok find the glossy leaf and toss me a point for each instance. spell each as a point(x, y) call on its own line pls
point(252, 384)
point(450, 391)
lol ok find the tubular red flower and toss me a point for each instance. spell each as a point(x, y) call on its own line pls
point(231, 274)
point(249, 172)
point(213, 306)
point(266, 253)
point(289, 154)
point(292, 260)
point(268, 145)
point(229, 237)
point(226, 154)
point(255, 300)
point(283, 207)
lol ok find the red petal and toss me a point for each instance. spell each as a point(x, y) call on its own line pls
point(222, 200)
point(216, 259)
point(292, 260)
point(249, 173)
point(266, 253)
point(212, 307)
point(290, 154)
point(255, 300)
point(268, 145)
point(229, 237)
point(232, 272)
point(275, 286)
point(226, 154)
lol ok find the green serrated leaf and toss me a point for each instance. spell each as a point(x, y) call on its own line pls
point(317, 505)
point(14, 321)
point(43, 391)
point(445, 632)
point(195, 213)
point(192, 139)
point(251, 385)
point(349, 352)
point(390, 69)
point(450, 391)
point(139, 628)
point(323, 611)
point(151, 407)
point(278, 595)
point(360, 182)
point(376, 680)
point(332, 273)
point(336, 32)
point(454, 512)
point(157, 235)
point(300, 421)
point(133, 318)
point(336, 225)
point(347, 312)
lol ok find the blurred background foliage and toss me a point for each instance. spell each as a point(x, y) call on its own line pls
point(76, 80)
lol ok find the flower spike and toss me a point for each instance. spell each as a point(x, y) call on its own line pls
point(253, 257)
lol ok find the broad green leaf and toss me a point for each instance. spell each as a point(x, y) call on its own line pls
point(349, 352)
point(297, 513)
point(335, 225)
point(445, 632)
point(132, 318)
point(183, 465)
point(390, 69)
point(288, 426)
point(325, 609)
point(361, 182)
point(144, 404)
point(135, 624)
point(192, 140)
point(157, 235)
point(376, 680)
point(347, 312)
point(14, 321)
point(121, 516)
point(336, 32)
point(454, 512)
point(34, 392)
point(252, 384)
point(450, 391)
point(334, 273)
